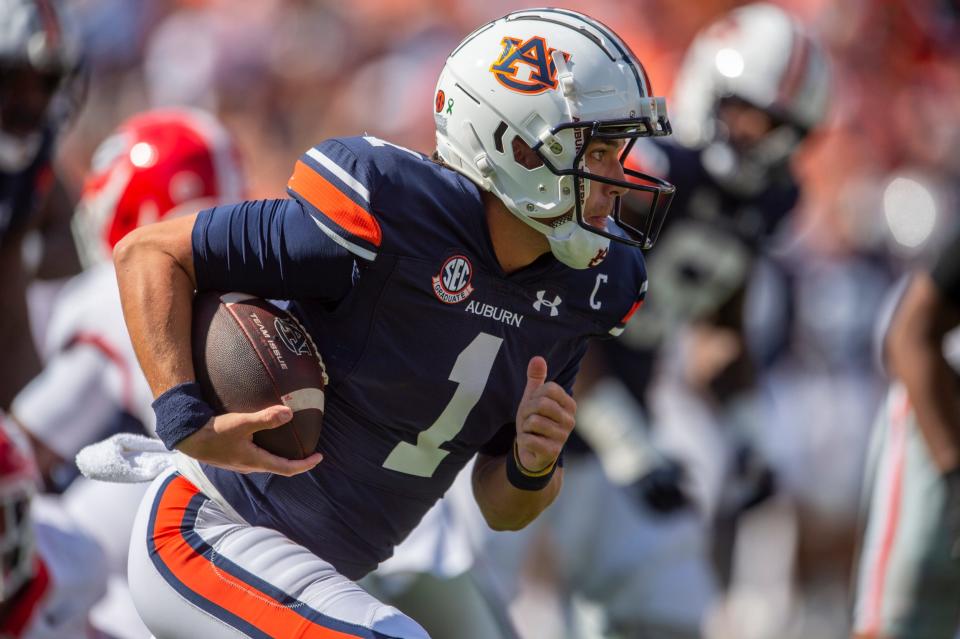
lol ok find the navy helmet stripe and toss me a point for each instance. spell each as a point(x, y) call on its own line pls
point(643, 82)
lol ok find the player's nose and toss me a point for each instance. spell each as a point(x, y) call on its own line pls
point(615, 172)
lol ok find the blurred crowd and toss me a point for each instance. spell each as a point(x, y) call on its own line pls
point(286, 73)
point(879, 181)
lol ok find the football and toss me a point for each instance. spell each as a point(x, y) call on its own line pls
point(248, 355)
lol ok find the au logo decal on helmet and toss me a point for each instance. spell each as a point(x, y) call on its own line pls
point(537, 58)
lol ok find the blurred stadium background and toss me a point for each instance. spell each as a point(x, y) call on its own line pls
point(879, 182)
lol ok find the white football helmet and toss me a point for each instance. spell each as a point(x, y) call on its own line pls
point(757, 54)
point(550, 80)
point(34, 39)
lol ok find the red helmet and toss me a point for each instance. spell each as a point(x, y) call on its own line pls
point(18, 483)
point(155, 165)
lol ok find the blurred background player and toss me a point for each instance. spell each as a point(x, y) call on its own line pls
point(39, 88)
point(154, 166)
point(909, 566)
point(751, 87)
point(52, 572)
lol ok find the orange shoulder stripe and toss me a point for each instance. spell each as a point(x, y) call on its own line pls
point(326, 197)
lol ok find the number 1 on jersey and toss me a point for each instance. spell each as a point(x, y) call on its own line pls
point(471, 372)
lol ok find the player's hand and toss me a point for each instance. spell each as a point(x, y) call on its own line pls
point(545, 417)
point(662, 487)
point(227, 441)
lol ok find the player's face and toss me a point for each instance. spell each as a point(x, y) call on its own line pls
point(24, 97)
point(746, 125)
point(603, 158)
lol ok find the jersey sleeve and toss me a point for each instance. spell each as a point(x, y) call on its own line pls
point(617, 330)
point(335, 187)
point(501, 442)
point(81, 375)
point(946, 272)
point(269, 248)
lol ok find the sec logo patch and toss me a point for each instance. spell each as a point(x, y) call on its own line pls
point(452, 284)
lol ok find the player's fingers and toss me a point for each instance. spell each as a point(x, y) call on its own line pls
point(553, 391)
point(290, 467)
point(549, 408)
point(536, 375)
point(270, 417)
point(268, 462)
point(557, 393)
point(540, 426)
point(536, 451)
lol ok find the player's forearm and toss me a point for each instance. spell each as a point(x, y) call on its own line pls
point(156, 291)
point(931, 386)
point(504, 506)
point(915, 350)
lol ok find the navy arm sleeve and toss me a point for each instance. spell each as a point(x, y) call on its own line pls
point(502, 442)
point(269, 248)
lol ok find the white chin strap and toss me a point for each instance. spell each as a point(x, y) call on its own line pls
point(16, 153)
point(580, 249)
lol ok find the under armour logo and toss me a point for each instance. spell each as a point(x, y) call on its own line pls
point(540, 303)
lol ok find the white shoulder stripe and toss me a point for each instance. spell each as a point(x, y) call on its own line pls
point(359, 251)
point(337, 170)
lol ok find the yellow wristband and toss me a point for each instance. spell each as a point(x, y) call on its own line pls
point(526, 471)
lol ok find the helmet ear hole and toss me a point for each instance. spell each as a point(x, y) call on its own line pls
point(524, 155)
point(498, 136)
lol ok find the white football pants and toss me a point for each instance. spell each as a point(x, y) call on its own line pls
point(196, 569)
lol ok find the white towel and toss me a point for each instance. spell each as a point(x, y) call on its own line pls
point(125, 458)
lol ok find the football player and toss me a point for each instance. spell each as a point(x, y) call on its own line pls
point(52, 572)
point(154, 166)
point(909, 565)
point(452, 300)
point(38, 79)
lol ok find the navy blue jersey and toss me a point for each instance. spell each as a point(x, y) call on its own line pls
point(425, 338)
point(22, 191)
